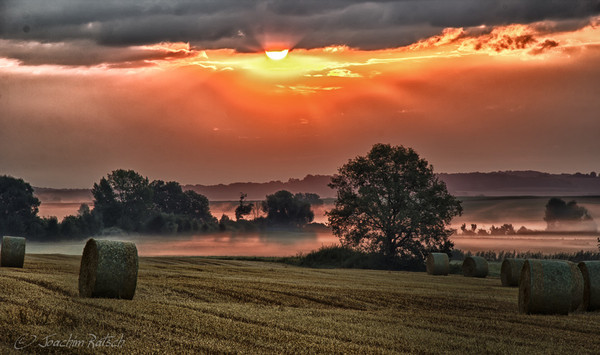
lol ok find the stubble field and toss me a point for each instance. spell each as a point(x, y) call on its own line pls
point(207, 305)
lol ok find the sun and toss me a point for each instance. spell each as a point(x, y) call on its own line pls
point(277, 55)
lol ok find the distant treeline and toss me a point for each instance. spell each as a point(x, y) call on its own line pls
point(127, 202)
point(560, 217)
point(501, 183)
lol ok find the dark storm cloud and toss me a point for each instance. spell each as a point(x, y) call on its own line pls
point(239, 24)
point(82, 53)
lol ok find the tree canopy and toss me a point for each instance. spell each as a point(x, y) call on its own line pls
point(561, 215)
point(128, 200)
point(170, 198)
point(285, 209)
point(123, 198)
point(18, 206)
point(390, 202)
point(243, 209)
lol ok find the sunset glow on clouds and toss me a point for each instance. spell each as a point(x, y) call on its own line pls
point(83, 94)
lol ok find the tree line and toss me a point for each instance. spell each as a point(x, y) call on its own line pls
point(389, 204)
point(125, 201)
point(559, 215)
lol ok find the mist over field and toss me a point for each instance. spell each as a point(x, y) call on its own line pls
point(485, 212)
point(527, 211)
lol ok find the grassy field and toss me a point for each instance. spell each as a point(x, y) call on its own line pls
point(207, 305)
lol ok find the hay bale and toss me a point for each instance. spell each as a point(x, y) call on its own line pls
point(510, 272)
point(438, 264)
point(577, 288)
point(13, 251)
point(590, 270)
point(475, 266)
point(108, 269)
point(550, 287)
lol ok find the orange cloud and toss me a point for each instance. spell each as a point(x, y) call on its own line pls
point(509, 39)
point(448, 36)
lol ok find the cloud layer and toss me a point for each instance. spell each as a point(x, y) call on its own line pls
point(247, 25)
point(471, 84)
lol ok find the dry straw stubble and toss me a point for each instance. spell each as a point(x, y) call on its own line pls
point(510, 271)
point(438, 264)
point(13, 252)
point(108, 269)
point(550, 287)
point(475, 266)
point(590, 270)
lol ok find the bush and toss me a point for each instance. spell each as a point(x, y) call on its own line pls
point(335, 256)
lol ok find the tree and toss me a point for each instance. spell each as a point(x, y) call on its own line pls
point(84, 224)
point(197, 206)
point(168, 197)
point(391, 203)
point(505, 229)
point(560, 215)
point(285, 209)
point(243, 209)
point(123, 198)
point(466, 231)
point(18, 207)
point(312, 198)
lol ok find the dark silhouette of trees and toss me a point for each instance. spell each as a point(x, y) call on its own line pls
point(466, 231)
point(123, 199)
point(391, 203)
point(177, 211)
point(18, 207)
point(287, 210)
point(560, 215)
point(169, 198)
point(505, 229)
point(243, 209)
point(196, 206)
point(85, 223)
point(312, 198)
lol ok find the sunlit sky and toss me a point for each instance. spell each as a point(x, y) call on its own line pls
point(183, 90)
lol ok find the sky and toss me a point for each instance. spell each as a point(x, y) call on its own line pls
point(182, 90)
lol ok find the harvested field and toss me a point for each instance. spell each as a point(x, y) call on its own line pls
point(194, 304)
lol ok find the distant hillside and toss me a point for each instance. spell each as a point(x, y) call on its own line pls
point(505, 183)
point(521, 183)
point(258, 190)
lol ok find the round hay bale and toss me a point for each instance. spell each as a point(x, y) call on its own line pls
point(13, 251)
point(475, 266)
point(577, 288)
point(108, 269)
point(438, 264)
point(590, 270)
point(510, 271)
point(550, 287)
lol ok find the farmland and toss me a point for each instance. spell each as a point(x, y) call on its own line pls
point(195, 304)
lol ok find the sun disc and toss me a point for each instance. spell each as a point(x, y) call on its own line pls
point(277, 55)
